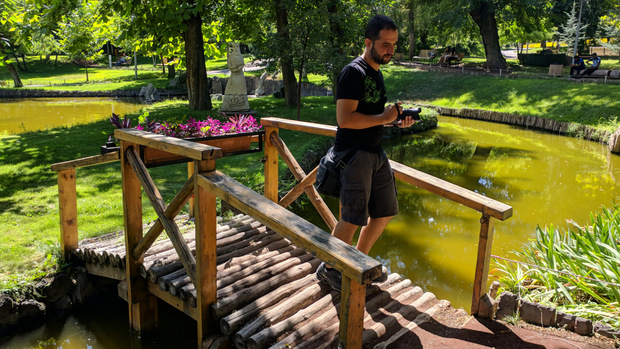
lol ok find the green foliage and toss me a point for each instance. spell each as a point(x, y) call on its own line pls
point(576, 270)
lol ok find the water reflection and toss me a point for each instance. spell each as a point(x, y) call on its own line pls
point(34, 114)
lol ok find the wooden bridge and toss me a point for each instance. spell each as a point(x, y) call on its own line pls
point(249, 280)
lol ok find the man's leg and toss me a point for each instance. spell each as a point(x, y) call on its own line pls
point(371, 232)
point(344, 231)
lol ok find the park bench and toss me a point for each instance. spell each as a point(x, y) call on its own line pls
point(456, 60)
point(425, 56)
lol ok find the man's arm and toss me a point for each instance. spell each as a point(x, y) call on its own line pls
point(348, 117)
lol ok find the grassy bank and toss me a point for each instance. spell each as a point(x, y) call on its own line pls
point(28, 200)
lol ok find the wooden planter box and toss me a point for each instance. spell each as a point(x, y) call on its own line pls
point(233, 144)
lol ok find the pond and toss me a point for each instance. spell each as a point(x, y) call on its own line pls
point(33, 114)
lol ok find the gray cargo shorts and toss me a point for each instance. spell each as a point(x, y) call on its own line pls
point(367, 188)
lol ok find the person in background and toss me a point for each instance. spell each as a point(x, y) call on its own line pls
point(577, 66)
point(595, 62)
point(368, 191)
point(121, 61)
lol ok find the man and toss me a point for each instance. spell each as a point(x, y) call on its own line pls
point(368, 192)
point(596, 62)
point(577, 66)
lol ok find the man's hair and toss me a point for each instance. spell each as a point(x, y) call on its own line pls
point(377, 24)
point(594, 54)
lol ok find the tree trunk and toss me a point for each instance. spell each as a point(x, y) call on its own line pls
point(411, 27)
point(286, 60)
point(484, 17)
point(24, 61)
point(197, 82)
point(336, 36)
point(171, 72)
point(17, 81)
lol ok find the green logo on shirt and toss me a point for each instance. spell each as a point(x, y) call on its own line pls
point(371, 93)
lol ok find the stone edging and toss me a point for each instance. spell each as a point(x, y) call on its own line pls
point(510, 304)
point(549, 125)
point(55, 295)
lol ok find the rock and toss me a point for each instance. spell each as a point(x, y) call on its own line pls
point(31, 313)
point(84, 290)
point(565, 321)
point(508, 304)
point(614, 142)
point(174, 82)
point(63, 304)
point(9, 316)
point(583, 326)
point(606, 331)
point(216, 86)
point(260, 89)
point(537, 314)
point(59, 286)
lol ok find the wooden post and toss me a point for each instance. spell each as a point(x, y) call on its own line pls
point(142, 305)
point(352, 302)
point(190, 173)
point(205, 214)
point(485, 242)
point(67, 204)
point(271, 165)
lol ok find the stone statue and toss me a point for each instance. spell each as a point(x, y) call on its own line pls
point(235, 97)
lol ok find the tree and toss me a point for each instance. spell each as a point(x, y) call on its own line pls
point(486, 13)
point(81, 35)
point(8, 40)
point(169, 20)
point(610, 28)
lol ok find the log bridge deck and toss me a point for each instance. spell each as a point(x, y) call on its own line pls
point(250, 280)
point(268, 295)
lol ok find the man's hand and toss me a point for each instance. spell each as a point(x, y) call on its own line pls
point(390, 114)
point(406, 122)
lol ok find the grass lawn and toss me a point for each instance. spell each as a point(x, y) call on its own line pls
point(28, 188)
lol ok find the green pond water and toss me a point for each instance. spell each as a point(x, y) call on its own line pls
point(34, 114)
point(546, 178)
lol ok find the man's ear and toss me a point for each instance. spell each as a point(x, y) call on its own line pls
point(368, 42)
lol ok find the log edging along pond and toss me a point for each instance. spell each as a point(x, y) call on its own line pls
point(559, 127)
point(39, 93)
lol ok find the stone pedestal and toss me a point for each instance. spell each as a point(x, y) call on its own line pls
point(235, 99)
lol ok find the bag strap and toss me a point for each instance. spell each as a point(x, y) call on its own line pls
point(342, 163)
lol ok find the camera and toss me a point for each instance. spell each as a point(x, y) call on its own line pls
point(413, 112)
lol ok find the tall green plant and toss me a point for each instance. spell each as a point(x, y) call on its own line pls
point(577, 270)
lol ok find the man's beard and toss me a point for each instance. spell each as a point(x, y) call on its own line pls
point(385, 59)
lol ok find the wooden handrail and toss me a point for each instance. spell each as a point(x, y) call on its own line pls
point(452, 191)
point(352, 263)
point(302, 126)
point(192, 150)
point(87, 161)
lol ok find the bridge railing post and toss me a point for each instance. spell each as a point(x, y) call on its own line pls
point(142, 304)
point(485, 242)
point(205, 214)
point(67, 204)
point(271, 165)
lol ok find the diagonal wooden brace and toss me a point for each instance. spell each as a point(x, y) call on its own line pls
point(171, 211)
point(188, 260)
point(305, 182)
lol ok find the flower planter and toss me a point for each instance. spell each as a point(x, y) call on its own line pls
point(231, 144)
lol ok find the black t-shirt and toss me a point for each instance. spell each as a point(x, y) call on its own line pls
point(360, 82)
